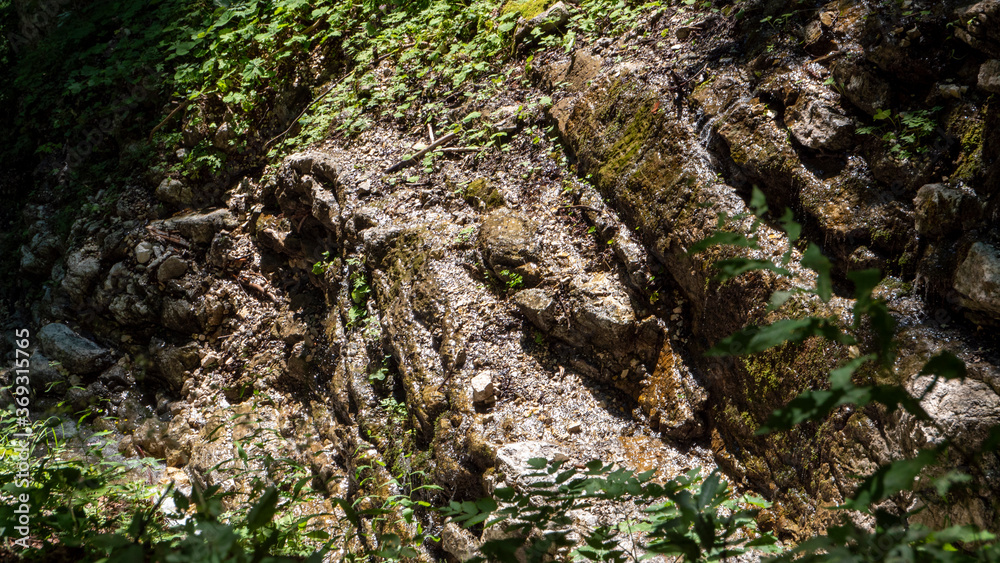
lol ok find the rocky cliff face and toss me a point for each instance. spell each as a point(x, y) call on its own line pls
point(540, 293)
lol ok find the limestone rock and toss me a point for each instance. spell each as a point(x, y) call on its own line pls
point(459, 542)
point(978, 279)
point(482, 389)
point(276, 234)
point(174, 363)
point(512, 459)
point(602, 311)
point(118, 375)
point(171, 268)
point(130, 298)
point(174, 192)
point(979, 26)
point(178, 315)
point(153, 438)
point(43, 373)
point(941, 210)
point(508, 239)
point(199, 227)
point(143, 252)
point(673, 399)
point(325, 208)
point(864, 88)
point(314, 163)
point(989, 76)
point(40, 253)
point(224, 135)
point(82, 269)
point(74, 352)
point(818, 124)
point(547, 22)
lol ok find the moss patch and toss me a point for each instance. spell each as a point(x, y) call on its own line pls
point(481, 195)
point(527, 9)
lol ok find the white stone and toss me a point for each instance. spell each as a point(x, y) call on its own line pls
point(143, 252)
point(482, 388)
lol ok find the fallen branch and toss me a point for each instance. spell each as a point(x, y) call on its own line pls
point(828, 56)
point(308, 107)
point(413, 159)
point(256, 286)
point(167, 237)
point(460, 149)
point(180, 106)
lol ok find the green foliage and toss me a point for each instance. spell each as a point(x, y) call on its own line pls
point(895, 537)
point(688, 518)
point(320, 267)
point(904, 132)
point(513, 280)
point(74, 491)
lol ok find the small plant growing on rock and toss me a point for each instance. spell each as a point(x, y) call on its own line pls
point(513, 280)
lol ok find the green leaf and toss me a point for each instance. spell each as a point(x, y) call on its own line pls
point(758, 202)
point(889, 480)
point(733, 267)
point(814, 260)
point(722, 238)
point(779, 298)
point(944, 483)
point(264, 510)
point(753, 339)
point(946, 365)
point(865, 282)
point(792, 229)
point(537, 463)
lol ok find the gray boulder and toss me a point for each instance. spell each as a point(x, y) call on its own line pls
point(199, 227)
point(941, 210)
point(179, 315)
point(43, 373)
point(174, 363)
point(171, 268)
point(74, 352)
point(82, 269)
point(174, 192)
point(818, 124)
point(40, 253)
point(978, 280)
point(143, 252)
point(989, 76)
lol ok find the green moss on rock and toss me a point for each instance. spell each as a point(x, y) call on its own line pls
point(527, 9)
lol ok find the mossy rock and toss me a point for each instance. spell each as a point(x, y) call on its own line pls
point(527, 9)
point(481, 195)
